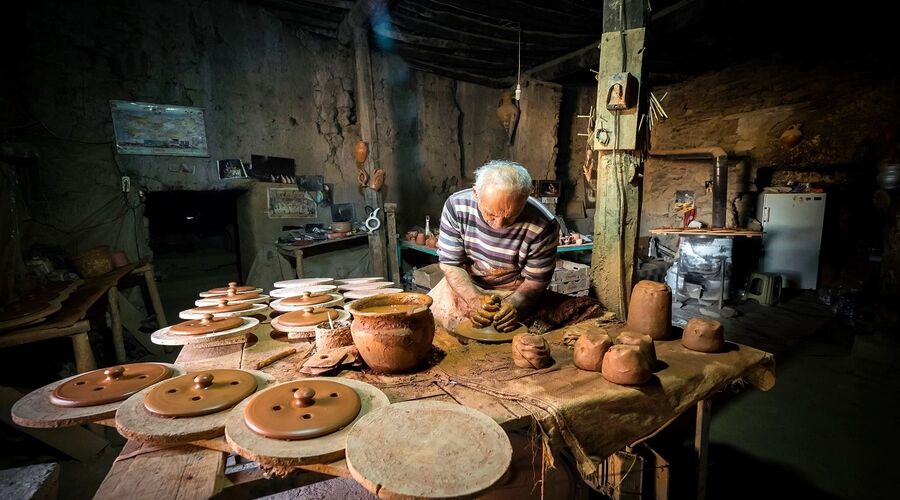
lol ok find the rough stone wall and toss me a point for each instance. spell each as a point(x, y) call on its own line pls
point(266, 88)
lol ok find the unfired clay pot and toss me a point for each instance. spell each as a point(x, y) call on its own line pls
point(431, 241)
point(590, 349)
point(393, 332)
point(650, 309)
point(703, 335)
point(420, 239)
point(626, 365)
point(531, 351)
point(644, 342)
point(331, 335)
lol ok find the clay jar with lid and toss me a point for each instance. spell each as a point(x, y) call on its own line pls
point(650, 309)
point(393, 332)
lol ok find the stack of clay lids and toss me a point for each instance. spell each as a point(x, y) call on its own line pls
point(202, 393)
point(233, 297)
point(108, 385)
point(361, 294)
point(369, 285)
point(293, 291)
point(307, 299)
point(367, 279)
point(232, 289)
point(224, 308)
point(302, 410)
point(207, 324)
point(302, 282)
point(27, 312)
point(305, 320)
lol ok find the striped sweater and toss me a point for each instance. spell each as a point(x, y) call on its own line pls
point(525, 249)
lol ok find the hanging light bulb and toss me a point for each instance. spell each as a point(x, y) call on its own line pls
point(519, 70)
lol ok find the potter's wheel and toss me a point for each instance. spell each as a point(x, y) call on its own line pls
point(489, 334)
point(280, 455)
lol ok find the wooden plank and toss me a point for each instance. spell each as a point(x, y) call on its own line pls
point(567, 64)
point(84, 356)
point(621, 129)
point(112, 297)
point(390, 212)
point(183, 472)
point(154, 296)
point(701, 444)
point(12, 338)
point(623, 15)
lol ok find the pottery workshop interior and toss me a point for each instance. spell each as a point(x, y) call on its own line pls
point(492, 249)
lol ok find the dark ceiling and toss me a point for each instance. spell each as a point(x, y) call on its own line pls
point(479, 40)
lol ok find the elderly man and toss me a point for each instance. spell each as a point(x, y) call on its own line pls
point(494, 238)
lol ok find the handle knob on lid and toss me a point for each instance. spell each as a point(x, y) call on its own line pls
point(207, 319)
point(203, 381)
point(114, 372)
point(303, 397)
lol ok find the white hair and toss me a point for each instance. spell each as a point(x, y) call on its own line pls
point(505, 175)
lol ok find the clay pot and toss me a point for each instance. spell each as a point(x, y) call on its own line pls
point(644, 342)
point(342, 227)
point(333, 335)
point(361, 152)
point(703, 335)
point(431, 241)
point(94, 262)
point(377, 180)
point(792, 136)
point(531, 351)
point(508, 113)
point(590, 349)
point(420, 239)
point(650, 309)
point(626, 365)
point(411, 236)
point(119, 258)
point(393, 332)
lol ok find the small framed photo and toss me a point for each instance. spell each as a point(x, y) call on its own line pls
point(549, 189)
point(231, 169)
point(290, 203)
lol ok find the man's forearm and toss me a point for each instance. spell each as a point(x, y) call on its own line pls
point(526, 296)
point(461, 283)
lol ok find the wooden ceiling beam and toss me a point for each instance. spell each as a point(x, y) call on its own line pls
point(279, 7)
point(527, 15)
point(341, 4)
point(461, 75)
point(567, 64)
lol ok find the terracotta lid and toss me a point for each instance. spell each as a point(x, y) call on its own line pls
point(22, 308)
point(232, 286)
point(222, 307)
point(208, 324)
point(302, 282)
point(307, 317)
point(303, 410)
point(306, 299)
point(108, 385)
point(232, 295)
point(200, 393)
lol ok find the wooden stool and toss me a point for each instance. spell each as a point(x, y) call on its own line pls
point(764, 288)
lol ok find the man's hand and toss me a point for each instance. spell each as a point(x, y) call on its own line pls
point(488, 307)
point(506, 318)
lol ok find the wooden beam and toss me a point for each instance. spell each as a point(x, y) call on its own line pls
point(317, 31)
point(342, 4)
point(567, 64)
point(284, 7)
point(357, 17)
point(388, 31)
point(462, 75)
point(623, 15)
point(516, 11)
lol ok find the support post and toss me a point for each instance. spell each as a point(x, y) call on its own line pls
point(154, 297)
point(701, 445)
point(84, 357)
point(116, 319)
point(390, 215)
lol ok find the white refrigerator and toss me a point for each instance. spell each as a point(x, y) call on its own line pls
point(792, 236)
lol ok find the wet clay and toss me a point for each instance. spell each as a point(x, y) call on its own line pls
point(650, 309)
point(484, 317)
point(303, 410)
point(200, 393)
point(393, 340)
point(232, 286)
point(703, 335)
point(531, 351)
point(306, 317)
point(644, 342)
point(590, 349)
point(333, 335)
point(208, 324)
point(222, 307)
point(489, 334)
point(108, 385)
point(626, 365)
point(307, 299)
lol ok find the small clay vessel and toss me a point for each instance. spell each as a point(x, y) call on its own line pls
point(331, 335)
point(420, 239)
point(411, 236)
point(377, 180)
point(650, 309)
point(531, 351)
point(626, 365)
point(508, 114)
point(644, 342)
point(792, 136)
point(590, 349)
point(361, 152)
point(431, 241)
point(393, 332)
point(703, 335)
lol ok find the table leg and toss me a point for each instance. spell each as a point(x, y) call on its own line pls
point(154, 298)
point(118, 342)
point(84, 357)
point(701, 444)
point(298, 262)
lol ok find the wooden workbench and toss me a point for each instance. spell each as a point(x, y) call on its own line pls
point(307, 248)
point(513, 397)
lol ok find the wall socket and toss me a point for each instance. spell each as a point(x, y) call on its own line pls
point(126, 184)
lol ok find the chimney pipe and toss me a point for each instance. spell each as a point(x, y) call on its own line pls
point(719, 175)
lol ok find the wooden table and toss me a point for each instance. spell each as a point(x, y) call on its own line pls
point(299, 248)
point(70, 320)
point(199, 471)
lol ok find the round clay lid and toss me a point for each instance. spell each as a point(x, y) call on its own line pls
point(302, 410)
point(23, 308)
point(232, 285)
point(307, 317)
point(208, 324)
point(108, 385)
point(306, 299)
point(200, 393)
point(222, 307)
point(233, 295)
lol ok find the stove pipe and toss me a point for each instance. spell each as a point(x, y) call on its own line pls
point(719, 175)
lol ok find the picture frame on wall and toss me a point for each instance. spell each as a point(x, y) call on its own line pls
point(231, 169)
point(549, 189)
point(290, 203)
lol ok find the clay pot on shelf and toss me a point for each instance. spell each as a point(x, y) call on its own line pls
point(341, 227)
point(411, 236)
point(377, 180)
point(431, 241)
point(420, 239)
point(393, 332)
point(361, 152)
point(94, 262)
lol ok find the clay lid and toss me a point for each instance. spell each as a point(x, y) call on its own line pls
point(22, 308)
point(222, 307)
point(307, 317)
point(232, 286)
point(200, 393)
point(108, 385)
point(232, 295)
point(302, 282)
point(306, 299)
point(302, 410)
point(208, 324)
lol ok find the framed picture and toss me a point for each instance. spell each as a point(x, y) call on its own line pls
point(143, 128)
point(272, 169)
point(549, 189)
point(290, 203)
point(231, 169)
